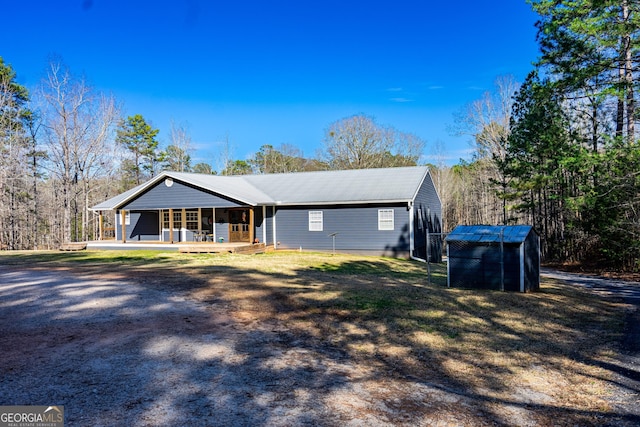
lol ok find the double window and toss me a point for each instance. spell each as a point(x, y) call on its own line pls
point(177, 220)
point(385, 220)
point(191, 217)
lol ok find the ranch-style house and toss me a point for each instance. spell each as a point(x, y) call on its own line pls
point(388, 211)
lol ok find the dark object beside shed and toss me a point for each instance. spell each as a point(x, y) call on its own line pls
point(500, 257)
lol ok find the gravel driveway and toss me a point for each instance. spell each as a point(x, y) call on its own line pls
point(118, 353)
point(115, 352)
point(627, 363)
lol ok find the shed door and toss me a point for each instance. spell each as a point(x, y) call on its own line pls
point(239, 225)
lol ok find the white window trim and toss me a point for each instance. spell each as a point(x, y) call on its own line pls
point(386, 220)
point(316, 221)
point(127, 217)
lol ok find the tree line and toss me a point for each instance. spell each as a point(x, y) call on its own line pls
point(65, 147)
point(558, 151)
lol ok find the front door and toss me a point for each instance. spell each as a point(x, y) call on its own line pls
point(239, 225)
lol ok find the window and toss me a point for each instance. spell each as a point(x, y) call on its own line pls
point(165, 220)
point(177, 220)
point(127, 217)
point(315, 220)
point(420, 225)
point(191, 217)
point(385, 219)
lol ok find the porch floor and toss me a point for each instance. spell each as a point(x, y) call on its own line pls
point(188, 247)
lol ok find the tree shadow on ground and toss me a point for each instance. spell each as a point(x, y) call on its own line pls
point(367, 340)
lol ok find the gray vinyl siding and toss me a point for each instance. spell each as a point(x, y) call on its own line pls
point(357, 228)
point(222, 231)
point(144, 226)
point(269, 226)
point(427, 214)
point(179, 196)
point(259, 223)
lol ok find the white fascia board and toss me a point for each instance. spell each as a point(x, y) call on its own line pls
point(350, 202)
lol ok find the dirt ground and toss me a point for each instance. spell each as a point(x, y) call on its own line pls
point(115, 349)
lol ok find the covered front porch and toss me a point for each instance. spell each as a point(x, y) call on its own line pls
point(184, 225)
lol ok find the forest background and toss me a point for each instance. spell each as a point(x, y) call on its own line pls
point(557, 151)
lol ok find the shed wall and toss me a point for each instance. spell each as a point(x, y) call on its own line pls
point(532, 263)
point(479, 265)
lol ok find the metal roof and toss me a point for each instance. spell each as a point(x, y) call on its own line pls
point(324, 187)
point(490, 233)
point(345, 186)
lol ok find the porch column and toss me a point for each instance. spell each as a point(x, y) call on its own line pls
point(170, 225)
point(183, 226)
point(100, 226)
point(213, 225)
point(123, 215)
point(275, 235)
point(251, 230)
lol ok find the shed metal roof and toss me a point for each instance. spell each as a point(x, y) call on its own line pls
point(490, 233)
point(385, 185)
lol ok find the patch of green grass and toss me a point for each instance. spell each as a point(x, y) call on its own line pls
point(34, 258)
point(380, 267)
point(371, 302)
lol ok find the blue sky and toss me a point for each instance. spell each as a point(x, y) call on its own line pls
point(279, 72)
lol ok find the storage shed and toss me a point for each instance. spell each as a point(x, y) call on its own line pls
point(494, 257)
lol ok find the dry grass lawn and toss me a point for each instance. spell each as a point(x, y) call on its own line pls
point(545, 350)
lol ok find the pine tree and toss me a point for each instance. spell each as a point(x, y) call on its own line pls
point(137, 136)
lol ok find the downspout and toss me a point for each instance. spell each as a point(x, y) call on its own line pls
point(412, 243)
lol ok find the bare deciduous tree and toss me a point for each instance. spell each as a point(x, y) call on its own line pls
point(178, 153)
point(78, 130)
point(487, 121)
point(357, 142)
